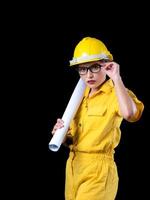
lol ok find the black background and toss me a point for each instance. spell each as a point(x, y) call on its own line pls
point(39, 41)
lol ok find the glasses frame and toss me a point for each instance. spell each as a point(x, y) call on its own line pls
point(88, 68)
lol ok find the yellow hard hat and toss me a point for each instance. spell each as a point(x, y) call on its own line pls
point(90, 49)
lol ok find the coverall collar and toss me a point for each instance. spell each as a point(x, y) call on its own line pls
point(106, 88)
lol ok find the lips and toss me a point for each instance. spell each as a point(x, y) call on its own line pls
point(91, 82)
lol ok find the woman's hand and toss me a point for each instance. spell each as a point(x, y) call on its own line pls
point(59, 124)
point(112, 70)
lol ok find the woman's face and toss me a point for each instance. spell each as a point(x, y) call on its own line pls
point(92, 73)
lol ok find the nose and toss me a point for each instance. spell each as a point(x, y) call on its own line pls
point(89, 73)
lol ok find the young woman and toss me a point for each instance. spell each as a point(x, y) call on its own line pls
point(91, 171)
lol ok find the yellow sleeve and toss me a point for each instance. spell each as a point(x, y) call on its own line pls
point(139, 105)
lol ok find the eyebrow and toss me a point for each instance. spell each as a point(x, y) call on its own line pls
point(85, 66)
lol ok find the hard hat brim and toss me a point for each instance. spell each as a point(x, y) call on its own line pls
point(77, 61)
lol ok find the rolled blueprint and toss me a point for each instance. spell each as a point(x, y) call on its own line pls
point(68, 115)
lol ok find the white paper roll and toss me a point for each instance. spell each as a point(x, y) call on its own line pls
point(68, 115)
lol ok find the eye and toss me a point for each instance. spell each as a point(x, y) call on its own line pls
point(82, 69)
point(95, 66)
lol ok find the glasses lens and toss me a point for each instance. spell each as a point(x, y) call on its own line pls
point(95, 68)
point(81, 70)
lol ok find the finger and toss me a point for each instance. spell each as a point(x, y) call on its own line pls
point(59, 126)
point(59, 120)
point(108, 66)
point(104, 65)
point(56, 127)
point(53, 131)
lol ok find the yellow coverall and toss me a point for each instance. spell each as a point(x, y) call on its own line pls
point(91, 172)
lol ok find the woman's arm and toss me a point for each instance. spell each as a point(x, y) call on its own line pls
point(126, 105)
